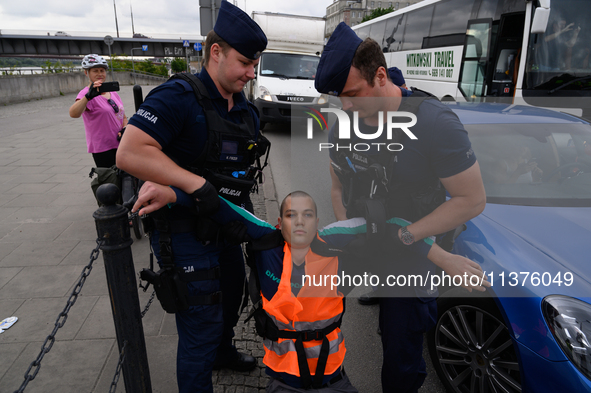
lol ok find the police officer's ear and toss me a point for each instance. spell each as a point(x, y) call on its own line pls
point(381, 77)
point(215, 52)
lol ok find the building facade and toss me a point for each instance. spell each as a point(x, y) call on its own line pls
point(353, 11)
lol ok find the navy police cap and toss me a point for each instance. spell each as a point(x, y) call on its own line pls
point(396, 76)
point(335, 62)
point(240, 31)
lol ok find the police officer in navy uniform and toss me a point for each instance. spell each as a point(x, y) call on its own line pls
point(180, 138)
point(406, 183)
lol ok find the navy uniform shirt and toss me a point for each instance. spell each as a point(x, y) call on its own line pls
point(170, 114)
point(442, 149)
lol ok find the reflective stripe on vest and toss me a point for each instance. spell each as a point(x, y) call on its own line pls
point(302, 326)
point(285, 346)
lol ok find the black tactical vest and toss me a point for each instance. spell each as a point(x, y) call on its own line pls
point(231, 149)
point(370, 191)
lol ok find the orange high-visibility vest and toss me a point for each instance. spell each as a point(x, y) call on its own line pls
point(315, 308)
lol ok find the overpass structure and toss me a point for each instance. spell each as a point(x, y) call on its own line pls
point(51, 46)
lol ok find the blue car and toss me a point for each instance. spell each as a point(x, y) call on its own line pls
point(531, 331)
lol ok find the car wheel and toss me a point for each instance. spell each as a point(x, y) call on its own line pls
point(470, 346)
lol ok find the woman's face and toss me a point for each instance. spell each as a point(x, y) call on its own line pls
point(96, 74)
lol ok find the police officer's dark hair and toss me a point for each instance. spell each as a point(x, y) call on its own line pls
point(213, 38)
point(300, 194)
point(368, 58)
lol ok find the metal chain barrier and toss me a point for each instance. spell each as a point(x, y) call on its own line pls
point(149, 303)
point(61, 319)
point(118, 369)
point(122, 354)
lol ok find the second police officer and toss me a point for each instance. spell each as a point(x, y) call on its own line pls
point(197, 142)
point(380, 184)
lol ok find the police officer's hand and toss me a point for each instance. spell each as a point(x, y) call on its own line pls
point(93, 91)
point(206, 199)
point(456, 265)
point(153, 196)
point(235, 232)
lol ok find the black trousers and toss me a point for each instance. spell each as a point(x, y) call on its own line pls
point(105, 159)
point(232, 283)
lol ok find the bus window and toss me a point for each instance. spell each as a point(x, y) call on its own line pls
point(417, 27)
point(563, 53)
point(363, 33)
point(451, 17)
point(487, 8)
point(377, 31)
point(392, 41)
point(495, 8)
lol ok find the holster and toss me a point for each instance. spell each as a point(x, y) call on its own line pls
point(170, 283)
point(374, 212)
point(171, 291)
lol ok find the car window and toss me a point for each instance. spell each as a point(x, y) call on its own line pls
point(534, 164)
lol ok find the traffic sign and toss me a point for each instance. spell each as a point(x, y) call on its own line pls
point(197, 46)
point(109, 40)
point(144, 48)
point(186, 43)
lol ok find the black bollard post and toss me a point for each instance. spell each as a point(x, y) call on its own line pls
point(112, 225)
point(138, 97)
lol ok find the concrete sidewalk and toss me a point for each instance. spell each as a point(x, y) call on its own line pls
point(46, 235)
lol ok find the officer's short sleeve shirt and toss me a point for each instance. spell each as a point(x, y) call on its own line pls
point(171, 115)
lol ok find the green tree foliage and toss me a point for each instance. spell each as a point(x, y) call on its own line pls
point(178, 65)
point(162, 69)
point(146, 66)
point(122, 63)
point(55, 68)
point(377, 13)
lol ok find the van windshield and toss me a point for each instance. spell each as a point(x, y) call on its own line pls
point(285, 65)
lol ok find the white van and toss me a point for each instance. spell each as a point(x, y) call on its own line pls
point(287, 68)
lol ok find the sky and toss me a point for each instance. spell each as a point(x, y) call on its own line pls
point(153, 18)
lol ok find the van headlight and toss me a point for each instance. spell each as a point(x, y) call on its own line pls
point(569, 320)
point(264, 94)
point(323, 99)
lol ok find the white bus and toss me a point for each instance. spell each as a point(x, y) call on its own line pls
point(530, 52)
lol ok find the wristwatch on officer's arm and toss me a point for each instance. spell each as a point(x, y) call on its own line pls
point(406, 237)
